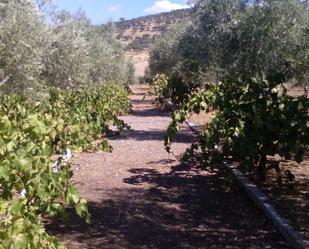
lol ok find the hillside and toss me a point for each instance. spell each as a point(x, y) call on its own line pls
point(138, 34)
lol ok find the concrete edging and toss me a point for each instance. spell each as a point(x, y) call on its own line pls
point(262, 201)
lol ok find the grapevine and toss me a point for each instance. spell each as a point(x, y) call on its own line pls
point(254, 122)
point(32, 184)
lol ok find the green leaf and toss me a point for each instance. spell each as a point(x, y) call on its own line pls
point(16, 207)
point(21, 241)
point(3, 207)
point(5, 171)
point(72, 196)
point(22, 164)
point(82, 210)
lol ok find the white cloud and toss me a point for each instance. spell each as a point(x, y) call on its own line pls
point(113, 8)
point(165, 6)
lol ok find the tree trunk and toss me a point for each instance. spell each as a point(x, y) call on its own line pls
point(261, 168)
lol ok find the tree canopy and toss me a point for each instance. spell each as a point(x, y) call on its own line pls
point(41, 46)
point(264, 39)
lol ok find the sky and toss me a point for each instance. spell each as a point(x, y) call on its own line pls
point(101, 11)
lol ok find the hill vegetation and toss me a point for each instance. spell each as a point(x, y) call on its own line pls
point(139, 33)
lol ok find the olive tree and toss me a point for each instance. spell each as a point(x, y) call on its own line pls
point(271, 42)
point(164, 54)
point(41, 47)
point(266, 39)
point(66, 61)
point(23, 39)
point(106, 55)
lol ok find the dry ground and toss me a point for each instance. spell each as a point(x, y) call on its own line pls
point(141, 197)
point(290, 199)
point(140, 61)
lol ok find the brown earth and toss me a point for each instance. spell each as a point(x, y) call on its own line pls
point(140, 61)
point(146, 29)
point(152, 25)
point(291, 199)
point(141, 197)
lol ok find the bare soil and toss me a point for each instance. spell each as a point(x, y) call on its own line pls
point(140, 61)
point(142, 197)
point(291, 199)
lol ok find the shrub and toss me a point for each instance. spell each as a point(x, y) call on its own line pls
point(253, 122)
point(32, 185)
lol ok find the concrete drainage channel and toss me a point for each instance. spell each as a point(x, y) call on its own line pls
point(261, 200)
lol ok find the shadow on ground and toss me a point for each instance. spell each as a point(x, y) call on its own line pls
point(184, 208)
point(180, 209)
point(152, 112)
point(153, 135)
point(291, 201)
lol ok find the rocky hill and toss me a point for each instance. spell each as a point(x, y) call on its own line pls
point(138, 34)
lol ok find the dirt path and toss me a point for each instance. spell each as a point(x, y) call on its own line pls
point(142, 197)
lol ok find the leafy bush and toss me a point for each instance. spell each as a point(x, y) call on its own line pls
point(169, 89)
point(159, 86)
point(85, 115)
point(32, 185)
point(252, 123)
